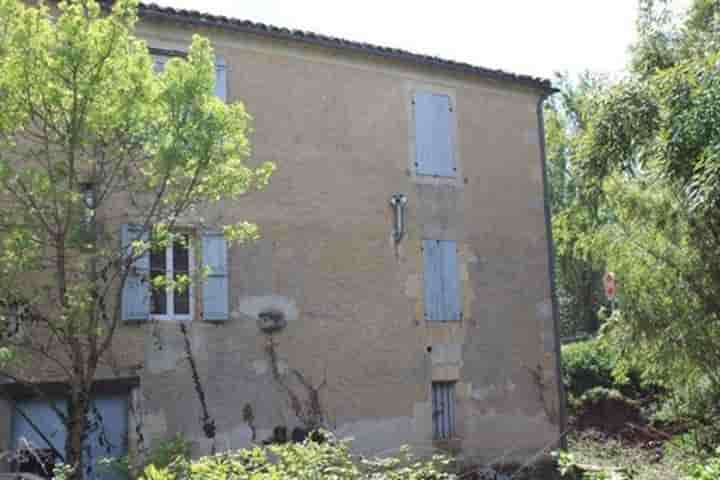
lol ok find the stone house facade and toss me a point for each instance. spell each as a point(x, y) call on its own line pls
point(401, 291)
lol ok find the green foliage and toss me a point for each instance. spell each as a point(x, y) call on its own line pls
point(592, 365)
point(587, 364)
point(707, 470)
point(161, 456)
point(579, 287)
point(646, 173)
point(307, 460)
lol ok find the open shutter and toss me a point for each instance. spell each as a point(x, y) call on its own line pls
point(434, 142)
point(136, 292)
point(441, 280)
point(215, 288)
point(221, 79)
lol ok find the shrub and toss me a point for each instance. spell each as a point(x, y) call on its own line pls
point(306, 460)
point(591, 363)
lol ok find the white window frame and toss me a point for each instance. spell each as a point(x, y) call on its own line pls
point(170, 292)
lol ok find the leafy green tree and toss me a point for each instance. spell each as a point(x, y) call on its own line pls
point(579, 277)
point(650, 157)
point(90, 133)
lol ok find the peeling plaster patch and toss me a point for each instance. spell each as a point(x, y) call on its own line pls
point(154, 425)
point(481, 394)
point(164, 349)
point(412, 286)
point(516, 435)
point(544, 309)
point(237, 438)
point(446, 354)
point(379, 436)
point(253, 306)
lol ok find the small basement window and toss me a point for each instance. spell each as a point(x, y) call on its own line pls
point(443, 410)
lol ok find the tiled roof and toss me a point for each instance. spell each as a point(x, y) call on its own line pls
point(151, 10)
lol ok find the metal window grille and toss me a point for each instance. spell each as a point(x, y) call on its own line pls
point(443, 408)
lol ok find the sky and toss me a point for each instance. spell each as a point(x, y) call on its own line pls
point(533, 37)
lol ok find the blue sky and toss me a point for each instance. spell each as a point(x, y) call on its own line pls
point(536, 37)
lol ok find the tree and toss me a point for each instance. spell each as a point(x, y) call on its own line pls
point(579, 277)
point(650, 156)
point(86, 127)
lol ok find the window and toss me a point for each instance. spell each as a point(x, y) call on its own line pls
point(434, 137)
point(161, 57)
point(443, 410)
point(441, 280)
point(141, 302)
point(173, 298)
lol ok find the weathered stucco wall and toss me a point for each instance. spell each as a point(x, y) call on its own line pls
point(338, 126)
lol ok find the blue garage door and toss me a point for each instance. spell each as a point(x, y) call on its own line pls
point(107, 432)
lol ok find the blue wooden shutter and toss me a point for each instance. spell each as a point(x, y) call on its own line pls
point(441, 280)
point(434, 142)
point(443, 410)
point(106, 436)
point(136, 292)
point(215, 288)
point(45, 418)
point(221, 79)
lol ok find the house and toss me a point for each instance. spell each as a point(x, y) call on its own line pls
point(401, 291)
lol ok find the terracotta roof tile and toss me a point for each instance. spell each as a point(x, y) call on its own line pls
point(151, 10)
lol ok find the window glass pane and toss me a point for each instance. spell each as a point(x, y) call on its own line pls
point(181, 257)
point(181, 268)
point(158, 303)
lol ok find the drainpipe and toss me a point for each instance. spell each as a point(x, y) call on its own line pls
point(398, 202)
point(551, 266)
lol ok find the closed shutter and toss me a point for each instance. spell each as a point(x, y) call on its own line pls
point(106, 435)
point(434, 139)
point(215, 288)
point(135, 303)
point(221, 79)
point(443, 408)
point(36, 423)
point(441, 280)
point(33, 415)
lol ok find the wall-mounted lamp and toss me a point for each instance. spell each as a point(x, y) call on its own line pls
point(398, 202)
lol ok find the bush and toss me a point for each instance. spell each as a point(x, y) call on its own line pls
point(307, 460)
point(590, 363)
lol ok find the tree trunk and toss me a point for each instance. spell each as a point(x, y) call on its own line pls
point(76, 433)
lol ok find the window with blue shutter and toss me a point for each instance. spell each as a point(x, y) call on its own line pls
point(135, 304)
point(215, 288)
point(434, 135)
point(443, 410)
point(441, 281)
